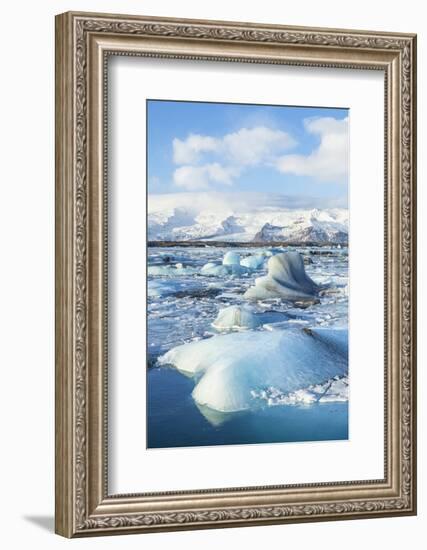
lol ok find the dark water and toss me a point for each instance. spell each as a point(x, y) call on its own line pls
point(174, 420)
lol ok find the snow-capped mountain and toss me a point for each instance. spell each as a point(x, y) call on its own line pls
point(315, 226)
point(248, 218)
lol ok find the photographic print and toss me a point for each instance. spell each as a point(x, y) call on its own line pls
point(247, 262)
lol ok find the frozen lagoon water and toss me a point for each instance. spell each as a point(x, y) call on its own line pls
point(184, 304)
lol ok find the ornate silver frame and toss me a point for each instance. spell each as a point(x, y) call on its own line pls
point(83, 42)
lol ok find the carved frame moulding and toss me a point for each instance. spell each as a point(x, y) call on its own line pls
point(84, 43)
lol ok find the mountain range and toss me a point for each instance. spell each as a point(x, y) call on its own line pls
point(249, 217)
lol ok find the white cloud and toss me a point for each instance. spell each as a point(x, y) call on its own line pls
point(256, 145)
point(227, 200)
point(188, 151)
point(201, 177)
point(205, 161)
point(232, 152)
point(247, 146)
point(329, 162)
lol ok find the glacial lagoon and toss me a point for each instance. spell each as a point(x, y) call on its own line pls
point(247, 345)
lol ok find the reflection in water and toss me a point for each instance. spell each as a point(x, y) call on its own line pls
point(174, 420)
point(216, 418)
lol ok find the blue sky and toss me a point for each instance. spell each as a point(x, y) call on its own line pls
point(296, 151)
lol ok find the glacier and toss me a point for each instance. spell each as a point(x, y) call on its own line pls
point(229, 368)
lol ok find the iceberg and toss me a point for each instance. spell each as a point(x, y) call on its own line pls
point(231, 258)
point(235, 318)
point(232, 265)
point(253, 262)
point(286, 279)
point(242, 318)
point(212, 269)
point(229, 368)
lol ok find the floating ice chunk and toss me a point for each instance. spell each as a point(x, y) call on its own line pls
point(241, 317)
point(337, 391)
point(286, 279)
point(228, 368)
point(158, 270)
point(212, 269)
point(331, 391)
point(236, 317)
point(253, 262)
point(166, 258)
point(231, 258)
point(238, 270)
point(170, 271)
point(301, 396)
point(158, 288)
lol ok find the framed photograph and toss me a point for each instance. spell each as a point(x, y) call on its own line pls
point(235, 274)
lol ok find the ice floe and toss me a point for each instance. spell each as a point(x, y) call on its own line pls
point(160, 287)
point(177, 270)
point(240, 317)
point(333, 390)
point(286, 279)
point(229, 368)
